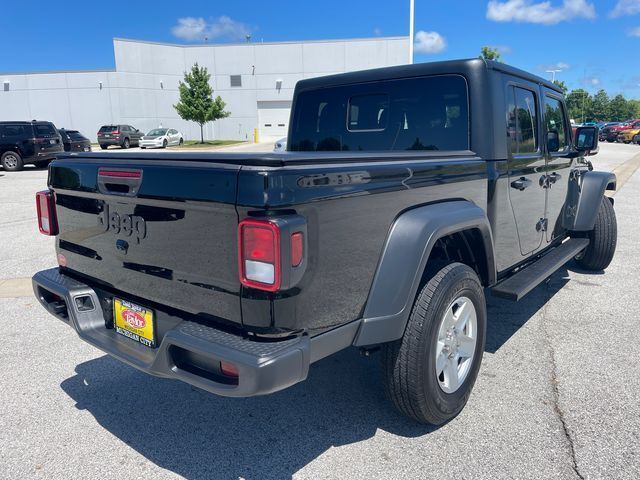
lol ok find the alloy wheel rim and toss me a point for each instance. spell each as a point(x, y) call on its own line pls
point(11, 161)
point(456, 344)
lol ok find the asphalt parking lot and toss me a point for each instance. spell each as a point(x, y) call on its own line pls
point(557, 395)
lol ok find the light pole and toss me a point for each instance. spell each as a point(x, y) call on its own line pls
point(553, 79)
point(411, 9)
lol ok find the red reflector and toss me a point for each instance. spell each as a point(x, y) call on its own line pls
point(297, 249)
point(228, 369)
point(62, 260)
point(119, 173)
point(46, 208)
point(259, 254)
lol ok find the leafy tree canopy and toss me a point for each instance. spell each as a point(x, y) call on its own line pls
point(196, 102)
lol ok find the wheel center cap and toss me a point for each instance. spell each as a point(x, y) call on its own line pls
point(451, 342)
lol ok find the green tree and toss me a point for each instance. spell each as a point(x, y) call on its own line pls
point(635, 106)
point(196, 102)
point(490, 53)
point(579, 104)
point(600, 107)
point(621, 109)
point(562, 85)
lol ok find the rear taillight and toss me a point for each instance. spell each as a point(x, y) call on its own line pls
point(46, 207)
point(115, 133)
point(259, 254)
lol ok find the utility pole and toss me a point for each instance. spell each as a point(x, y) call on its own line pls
point(411, 16)
point(553, 79)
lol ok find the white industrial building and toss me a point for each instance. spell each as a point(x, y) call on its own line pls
point(256, 80)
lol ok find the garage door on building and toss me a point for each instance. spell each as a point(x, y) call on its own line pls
point(273, 120)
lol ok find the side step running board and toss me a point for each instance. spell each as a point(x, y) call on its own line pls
point(517, 286)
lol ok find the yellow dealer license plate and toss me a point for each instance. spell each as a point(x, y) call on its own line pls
point(134, 322)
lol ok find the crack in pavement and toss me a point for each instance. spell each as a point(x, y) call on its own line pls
point(554, 384)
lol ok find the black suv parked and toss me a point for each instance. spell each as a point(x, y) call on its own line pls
point(74, 141)
point(22, 143)
point(124, 136)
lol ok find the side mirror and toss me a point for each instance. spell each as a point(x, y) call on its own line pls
point(586, 140)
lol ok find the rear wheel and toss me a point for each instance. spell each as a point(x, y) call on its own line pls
point(126, 144)
point(181, 142)
point(103, 147)
point(429, 373)
point(602, 239)
point(11, 161)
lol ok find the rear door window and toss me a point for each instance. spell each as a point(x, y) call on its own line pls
point(522, 126)
point(108, 128)
point(425, 113)
point(14, 131)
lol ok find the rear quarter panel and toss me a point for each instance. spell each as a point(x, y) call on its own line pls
point(349, 208)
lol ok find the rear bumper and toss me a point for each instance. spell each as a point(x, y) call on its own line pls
point(192, 351)
point(109, 141)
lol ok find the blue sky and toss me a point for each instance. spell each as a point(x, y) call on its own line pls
point(596, 44)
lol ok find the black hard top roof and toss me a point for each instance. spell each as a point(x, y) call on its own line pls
point(22, 122)
point(467, 66)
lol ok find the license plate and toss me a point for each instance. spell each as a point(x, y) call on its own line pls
point(134, 322)
point(87, 149)
point(52, 142)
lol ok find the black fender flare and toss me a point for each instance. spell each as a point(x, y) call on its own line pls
point(404, 259)
point(591, 188)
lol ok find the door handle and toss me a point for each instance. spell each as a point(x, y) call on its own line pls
point(521, 183)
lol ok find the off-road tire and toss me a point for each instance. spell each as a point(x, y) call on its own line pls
point(602, 240)
point(11, 161)
point(408, 364)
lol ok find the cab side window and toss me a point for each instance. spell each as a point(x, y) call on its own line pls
point(522, 121)
point(555, 122)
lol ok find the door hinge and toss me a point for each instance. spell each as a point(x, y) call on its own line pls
point(541, 226)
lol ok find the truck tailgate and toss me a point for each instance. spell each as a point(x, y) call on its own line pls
point(153, 230)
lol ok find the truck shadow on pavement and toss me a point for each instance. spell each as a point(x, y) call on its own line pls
point(201, 436)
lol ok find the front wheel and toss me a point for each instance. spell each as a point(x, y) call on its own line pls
point(429, 373)
point(602, 239)
point(165, 143)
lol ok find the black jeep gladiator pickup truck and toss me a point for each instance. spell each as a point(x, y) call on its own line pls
point(405, 195)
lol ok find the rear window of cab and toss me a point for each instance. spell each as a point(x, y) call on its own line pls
point(424, 113)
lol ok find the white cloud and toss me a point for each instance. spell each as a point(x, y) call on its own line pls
point(592, 81)
point(194, 29)
point(625, 7)
point(502, 49)
point(634, 32)
point(429, 42)
point(545, 13)
point(555, 66)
